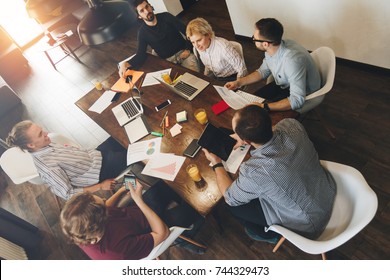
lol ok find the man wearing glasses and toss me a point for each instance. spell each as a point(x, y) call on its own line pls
point(291, 65)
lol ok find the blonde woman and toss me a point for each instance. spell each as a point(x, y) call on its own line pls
point(220, 58)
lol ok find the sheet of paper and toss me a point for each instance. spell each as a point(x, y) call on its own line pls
point(164, 166)
point(122, 86)
point(103, 102)
point(235, 159)
point(143, 150)
point(150, 78)
point(136, 130)
point(237, 100)
point(126, 59)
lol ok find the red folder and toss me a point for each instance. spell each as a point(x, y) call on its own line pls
point(220, 107)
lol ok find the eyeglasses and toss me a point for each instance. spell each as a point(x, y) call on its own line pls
point(260, 41)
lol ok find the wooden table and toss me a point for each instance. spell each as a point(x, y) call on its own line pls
point(202, 201)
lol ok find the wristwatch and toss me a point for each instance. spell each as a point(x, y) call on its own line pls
point(219, 164)
point(266, 107)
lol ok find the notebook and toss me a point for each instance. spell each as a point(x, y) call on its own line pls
point(187, 86)
point(216, 141)
point(129, 109)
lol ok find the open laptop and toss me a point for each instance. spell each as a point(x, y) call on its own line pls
point(129, 109)
point(187, 86)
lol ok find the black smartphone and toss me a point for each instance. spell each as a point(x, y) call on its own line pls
point(129, 178)
point(116, 97)
point(163, 105)
point(192, 149)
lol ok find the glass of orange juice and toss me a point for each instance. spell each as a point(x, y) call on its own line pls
point(167, 78)
point(201, 116)
point(193, 172)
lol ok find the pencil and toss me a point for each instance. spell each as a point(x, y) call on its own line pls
point(163, 130)
point(175, 76)
point(163, 120)
point(140, 84)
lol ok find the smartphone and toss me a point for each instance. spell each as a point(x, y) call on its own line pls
point(192, 149)
point(129, 178)
point(163, 105)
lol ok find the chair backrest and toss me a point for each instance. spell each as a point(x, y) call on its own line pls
point(175, 232)
point(19, 165)
point(325, 61)
point(237, 46)
point(354, 207)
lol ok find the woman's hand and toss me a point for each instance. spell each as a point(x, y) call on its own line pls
point(233, 85)
point(137, 192)
point(122, 69)
point(107, 185)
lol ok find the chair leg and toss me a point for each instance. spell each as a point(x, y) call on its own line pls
point(324, 256)
point(324, 124)
point(192, 241)
point(280, 242)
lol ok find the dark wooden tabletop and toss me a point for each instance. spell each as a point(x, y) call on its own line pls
point(203, 201)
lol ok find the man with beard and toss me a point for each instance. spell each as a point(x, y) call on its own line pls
point(165, 34)
point(292, 67)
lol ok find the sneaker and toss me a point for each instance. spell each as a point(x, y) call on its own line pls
point(255, 236)
point(189, 246)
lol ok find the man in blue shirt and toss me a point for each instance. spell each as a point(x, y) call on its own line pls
point(282, 183)
point(292, 67)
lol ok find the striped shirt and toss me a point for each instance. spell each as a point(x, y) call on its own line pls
point(67, 169)
point(286, 176)
point(222, 59)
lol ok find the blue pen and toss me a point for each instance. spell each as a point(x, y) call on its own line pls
point(157, 134)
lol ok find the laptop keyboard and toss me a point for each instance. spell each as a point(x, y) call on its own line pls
point(186, 89)
point(130, 109)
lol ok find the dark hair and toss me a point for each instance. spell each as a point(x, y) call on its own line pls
point(83, 220)
point(17, 137)
point(136, 3)
point(253, 124)
point(271, 29)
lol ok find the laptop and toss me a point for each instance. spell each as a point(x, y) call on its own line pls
point(129, 109)
point(187, 86)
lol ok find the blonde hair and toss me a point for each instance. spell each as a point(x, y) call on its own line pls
point(18, 137)
point(83, 220)
point(199, 26)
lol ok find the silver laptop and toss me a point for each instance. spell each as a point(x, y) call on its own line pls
point(129, 109)
point(188, 86)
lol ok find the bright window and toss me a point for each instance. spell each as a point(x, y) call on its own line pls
point(14, 19)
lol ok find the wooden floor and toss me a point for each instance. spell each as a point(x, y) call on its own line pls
point(357, 109)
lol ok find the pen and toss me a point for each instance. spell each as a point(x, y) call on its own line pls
point(157, 134)
point(162, 122)
point(174, 79)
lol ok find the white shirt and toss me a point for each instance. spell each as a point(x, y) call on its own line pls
point(222, 59)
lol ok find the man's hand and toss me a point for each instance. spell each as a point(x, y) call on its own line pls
point(211, 157)
point(232, 85)
point(122, 69)
point(184, 54)
point(239, 143)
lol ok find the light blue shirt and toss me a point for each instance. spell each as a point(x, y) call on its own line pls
point(292, 66)
point(286, 176)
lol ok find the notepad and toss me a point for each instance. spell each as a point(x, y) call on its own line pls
point(122, 86)
point(137, 129)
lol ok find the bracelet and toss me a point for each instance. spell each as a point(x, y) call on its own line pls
point(266, 107)
point(219, 164)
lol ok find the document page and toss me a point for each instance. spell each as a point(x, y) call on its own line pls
point(150, 78)
point(237, 100)
point(103, 102)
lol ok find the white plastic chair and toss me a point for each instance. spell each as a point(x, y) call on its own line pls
point(354, 207)
point(175, 232)
point(325, 61)
point(19, 165)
